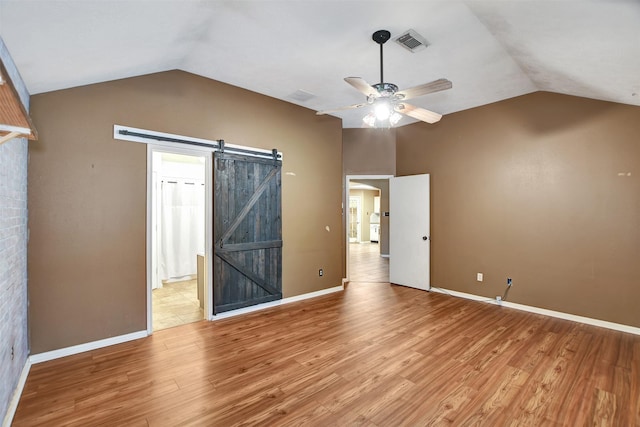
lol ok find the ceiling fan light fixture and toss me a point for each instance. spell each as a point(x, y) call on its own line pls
point(382, 110)
point(371, 120)
point(395, 118)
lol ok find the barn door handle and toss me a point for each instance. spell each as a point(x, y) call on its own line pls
point(425, 237)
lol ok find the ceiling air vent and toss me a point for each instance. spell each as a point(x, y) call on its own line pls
point(412, 41)
point(301, 95)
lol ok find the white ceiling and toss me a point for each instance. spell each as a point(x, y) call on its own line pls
point(490, 50)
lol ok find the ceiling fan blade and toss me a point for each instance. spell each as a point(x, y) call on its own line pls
point(362, 86)
point(348, 107)
point(434, 86)
point(418, 113)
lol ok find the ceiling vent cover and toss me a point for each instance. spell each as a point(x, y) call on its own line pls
point(301, 95)
point(412, 41)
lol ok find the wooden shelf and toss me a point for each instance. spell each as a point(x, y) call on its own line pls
point(14, 118)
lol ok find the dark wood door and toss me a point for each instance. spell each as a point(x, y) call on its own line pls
point(247, 231)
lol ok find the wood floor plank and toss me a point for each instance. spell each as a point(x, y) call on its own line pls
point(605, 409)
point(373, 355)
point(491, 410)
point(361, 408)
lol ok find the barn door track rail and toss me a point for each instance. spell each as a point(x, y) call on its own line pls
point(147, 136)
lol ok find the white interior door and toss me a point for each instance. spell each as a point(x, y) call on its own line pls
point(409, 231)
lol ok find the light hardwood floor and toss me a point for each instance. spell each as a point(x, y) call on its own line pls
point(366, 264)
point(373, 355)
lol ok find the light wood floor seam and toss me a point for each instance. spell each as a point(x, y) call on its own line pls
point(373, 355)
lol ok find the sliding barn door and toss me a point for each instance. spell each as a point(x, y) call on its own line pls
point(247, 230)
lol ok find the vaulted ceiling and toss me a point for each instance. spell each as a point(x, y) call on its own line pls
point(300, 51)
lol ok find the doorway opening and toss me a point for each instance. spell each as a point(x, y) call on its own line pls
point(178, 210)
point(367, 226)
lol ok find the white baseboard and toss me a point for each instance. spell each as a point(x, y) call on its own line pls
point(15, 398)
point(283, 301)
point(552, 313)
point(81, 348)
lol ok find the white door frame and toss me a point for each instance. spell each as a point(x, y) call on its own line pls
point(345, 203)
point(205, 152)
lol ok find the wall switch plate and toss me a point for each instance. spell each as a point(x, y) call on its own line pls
point(479, 277)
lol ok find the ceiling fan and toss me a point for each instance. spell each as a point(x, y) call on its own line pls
point(387, 101)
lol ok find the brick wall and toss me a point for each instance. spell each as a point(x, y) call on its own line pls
point(14, 338)
point(13, 266)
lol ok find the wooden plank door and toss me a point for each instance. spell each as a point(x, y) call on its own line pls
point(247, 231)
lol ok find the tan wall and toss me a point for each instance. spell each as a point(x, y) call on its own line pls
point(87, 195)
point(542, 188)
point(369, 151)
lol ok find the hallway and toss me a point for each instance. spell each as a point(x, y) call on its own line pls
point(366, 264)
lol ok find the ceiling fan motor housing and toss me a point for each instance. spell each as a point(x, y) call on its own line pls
point(385, 90)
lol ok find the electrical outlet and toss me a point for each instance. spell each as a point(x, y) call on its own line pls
point(499, 299)
point(321, 272)
point(509, 281)
point(479, 277)
point(13, 354)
